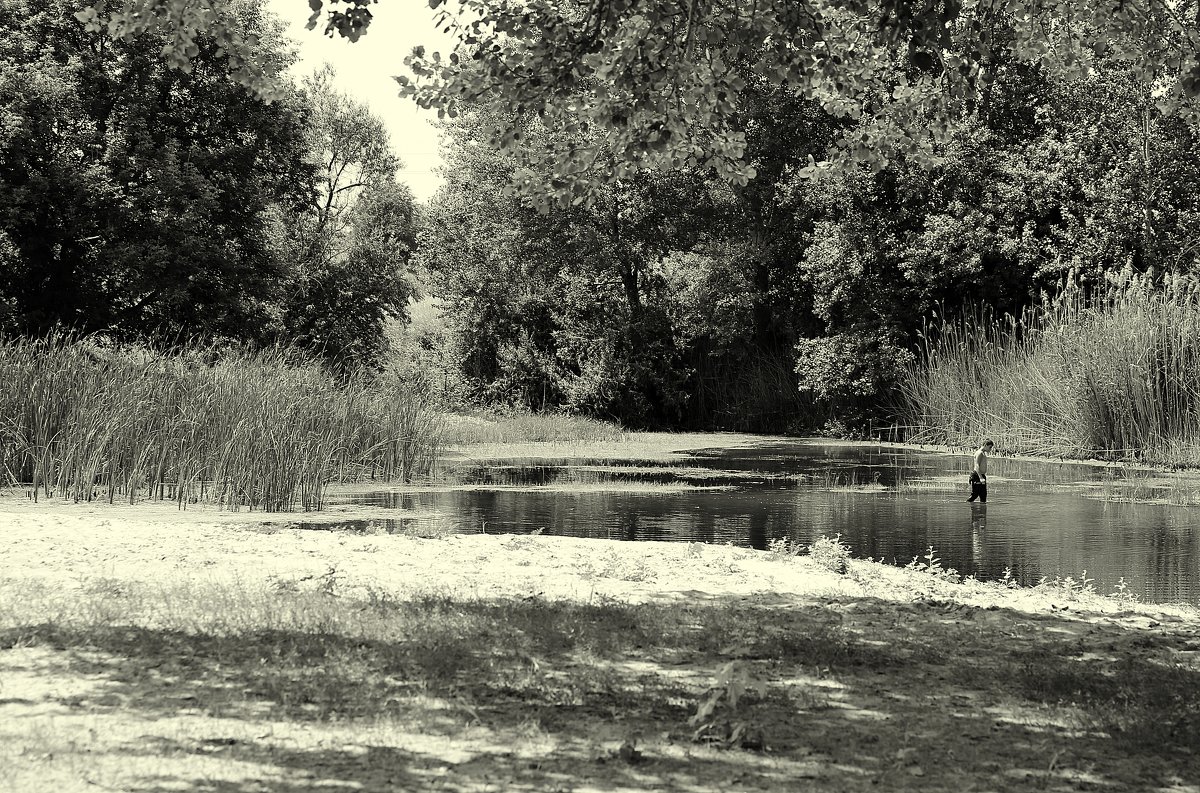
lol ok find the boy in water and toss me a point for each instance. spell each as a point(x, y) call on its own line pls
point(978, 477)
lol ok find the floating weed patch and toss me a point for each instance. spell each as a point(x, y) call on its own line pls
point(1150, 487)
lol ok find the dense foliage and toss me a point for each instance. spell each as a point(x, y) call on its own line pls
point(791, 301)
point(135, 197)
point(638, 220)
point(142, 201)
point(662, 82)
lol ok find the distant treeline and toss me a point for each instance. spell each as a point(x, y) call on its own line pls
point(794, 304)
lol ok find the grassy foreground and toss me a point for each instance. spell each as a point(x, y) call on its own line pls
point(141, 650)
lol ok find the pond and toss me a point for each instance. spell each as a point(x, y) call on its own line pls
point(1043, 519)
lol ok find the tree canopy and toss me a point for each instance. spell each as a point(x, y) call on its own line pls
point(138, 198)
point(664, 80)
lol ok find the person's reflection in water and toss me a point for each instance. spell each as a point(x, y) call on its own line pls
point(758, 530)
point(978, 527)
point(631, 526)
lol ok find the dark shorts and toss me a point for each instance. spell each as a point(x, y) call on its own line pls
point(978, 488)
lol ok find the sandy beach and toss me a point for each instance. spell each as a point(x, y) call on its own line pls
point(86, 588)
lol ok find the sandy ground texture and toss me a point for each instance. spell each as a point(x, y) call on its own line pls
point(143, 648)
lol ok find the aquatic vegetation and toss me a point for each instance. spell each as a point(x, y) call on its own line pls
point(848, 481)
point(1114, 376)
point(1148, 487)
point(261, 429)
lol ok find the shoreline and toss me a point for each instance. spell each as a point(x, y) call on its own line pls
point(144, 648)
point(62, 542)
point(669, 446)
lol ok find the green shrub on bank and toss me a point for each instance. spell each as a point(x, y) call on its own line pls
point(1115, 376)
point(265, 429)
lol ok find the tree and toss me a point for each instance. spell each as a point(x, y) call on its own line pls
point(665, 79)
point(136, 198)
point(352, 152)
point(565, 308)
point(353, 240)
point(339, 307)
point(660, 79)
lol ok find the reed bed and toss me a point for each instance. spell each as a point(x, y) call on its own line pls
point(259, 429)
point(1114, 375)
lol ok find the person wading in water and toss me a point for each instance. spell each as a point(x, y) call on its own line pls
point(978, 477)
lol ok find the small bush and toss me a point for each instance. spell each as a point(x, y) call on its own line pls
point(832, 554)
point(785, 548)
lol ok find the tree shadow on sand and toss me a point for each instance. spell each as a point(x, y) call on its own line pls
point(857, 694)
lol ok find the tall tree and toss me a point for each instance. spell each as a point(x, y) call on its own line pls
point(136, 198)
point(352, 154)
point(353, 241)
point(572, 298)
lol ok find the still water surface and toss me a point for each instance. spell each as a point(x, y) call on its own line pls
point(1043, 519)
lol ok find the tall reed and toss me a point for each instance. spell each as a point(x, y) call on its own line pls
point(266, 429)
point(1113, 375)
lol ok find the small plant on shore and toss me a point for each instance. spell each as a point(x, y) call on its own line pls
point(785, 548)
point(1121, 592)
point(614, 565)
point(720, 717)
point(328, 582)
point(1069, 588)
point(930, 564)
point(830, 553)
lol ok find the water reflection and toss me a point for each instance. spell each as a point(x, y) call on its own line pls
point(889, 504)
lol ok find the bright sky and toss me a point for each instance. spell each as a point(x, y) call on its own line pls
point(365, 70)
